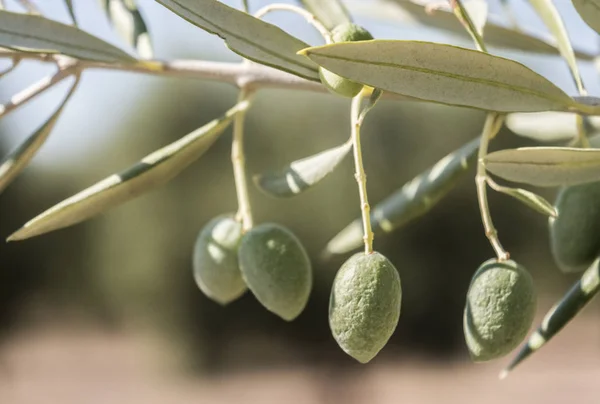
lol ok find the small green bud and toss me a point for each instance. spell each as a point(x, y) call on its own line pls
point(344, 33)
point(216, 269)
point(501, 304)
point(364, 306)
point(575, 233)
point(277, 269)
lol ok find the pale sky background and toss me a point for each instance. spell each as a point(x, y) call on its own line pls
point(104, 98)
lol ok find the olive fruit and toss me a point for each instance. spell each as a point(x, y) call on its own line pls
point(215, 261)
point(501, 304)
point(575, 233)
point(276, 268)
point(364, 306)
point(339, 85)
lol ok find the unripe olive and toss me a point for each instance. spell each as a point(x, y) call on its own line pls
point(344, 33)
point(575, 233)
point(501, 304)
point(364, 305)
point(216, 269)
point(277, 269)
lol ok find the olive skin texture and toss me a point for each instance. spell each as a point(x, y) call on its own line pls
point(364, 306)
point(215, 262)
point(276, 269)
point(500, 308)
point(575, 233)
point(335, 83)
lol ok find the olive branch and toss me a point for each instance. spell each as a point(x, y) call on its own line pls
point(510, 94)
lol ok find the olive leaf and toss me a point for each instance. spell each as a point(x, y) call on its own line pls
point(545, 166)
point(411, 201)
point(71, 10)
point(37, 32)
point(330, 13)
point(528, 198)
point(443, 73)
point(125, 16)
point(496, 33)
point(300, 175)
point(246, 35)
point(17, 160)
point(589, 10)
point(552, 19)
point(548, 126)
point(152, 171)
point(580, 294)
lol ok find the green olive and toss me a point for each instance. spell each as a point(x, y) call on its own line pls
point(215, 261)
point(277, 269)
point(501, 304)
point(364, 306)
point(575, 233)
point(336, 84)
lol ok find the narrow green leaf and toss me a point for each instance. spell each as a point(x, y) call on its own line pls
point(71, 10)
point(42, 34)
point(552, 19)
point(529, 199)
point(442, 73)
point(546, 166)
point(413, 200)
point(496, 33)
point(589, 10)
point(19, 158)
point(548, 126)
point(561, 314)
point(300, 175)
point(129, 23)
point(152, 171)
point(246, 35)
point(331, 13)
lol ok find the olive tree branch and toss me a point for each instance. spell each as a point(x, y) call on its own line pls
point(252, 76)
point(39, 87)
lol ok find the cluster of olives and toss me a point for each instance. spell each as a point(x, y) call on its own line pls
point(366, 295)
point(271, 262)
point(268, 259)
point(501, 299)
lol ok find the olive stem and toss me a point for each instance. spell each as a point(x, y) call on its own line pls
point(309, 17)
point(361, 177)
point(238, 161)
point(491, 124)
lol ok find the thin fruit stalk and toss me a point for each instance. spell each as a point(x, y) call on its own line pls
point(491, 127)
point(361, 177)
point(239, 166)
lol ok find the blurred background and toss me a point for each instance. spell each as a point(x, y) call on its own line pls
point(107, 311)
